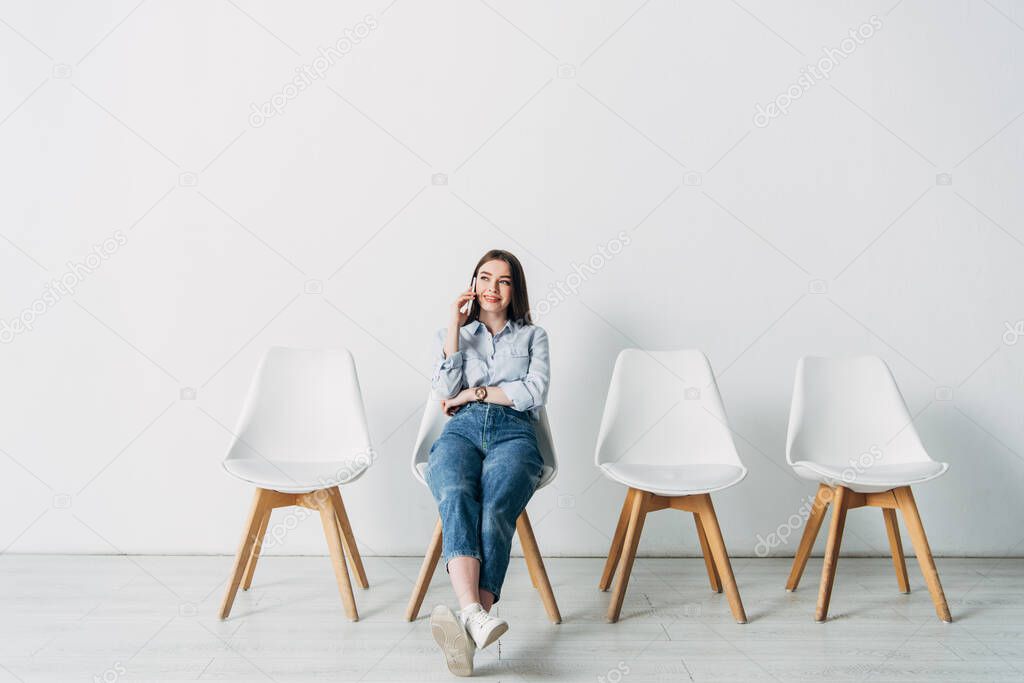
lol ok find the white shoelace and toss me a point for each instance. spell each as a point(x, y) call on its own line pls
point(478, 619)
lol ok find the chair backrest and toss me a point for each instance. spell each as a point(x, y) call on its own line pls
point(433, 422)
point(664, 408)
point(303, 405)
point(846, 407)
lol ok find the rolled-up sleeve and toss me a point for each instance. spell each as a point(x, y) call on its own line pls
point(532, 390)
point(447, 378)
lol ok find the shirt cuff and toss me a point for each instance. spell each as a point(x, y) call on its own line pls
point(452, 362)
point(521, 397)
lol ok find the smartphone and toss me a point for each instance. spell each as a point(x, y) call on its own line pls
point(468, 306)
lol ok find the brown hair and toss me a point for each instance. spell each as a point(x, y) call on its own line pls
point(519, 309)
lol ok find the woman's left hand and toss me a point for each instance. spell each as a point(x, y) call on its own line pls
point(450, 406)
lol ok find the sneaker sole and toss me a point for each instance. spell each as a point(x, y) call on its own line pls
point(453, 640)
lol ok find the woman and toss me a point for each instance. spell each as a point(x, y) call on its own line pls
point(492, 373)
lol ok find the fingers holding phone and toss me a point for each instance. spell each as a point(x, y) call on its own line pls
point(464, 304)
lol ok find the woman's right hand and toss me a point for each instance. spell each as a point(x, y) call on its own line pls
point(458, 317)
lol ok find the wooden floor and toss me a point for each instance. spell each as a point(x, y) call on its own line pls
point(117, 618)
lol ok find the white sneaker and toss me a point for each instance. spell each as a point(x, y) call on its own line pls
point(481, 626)
point(456, 645)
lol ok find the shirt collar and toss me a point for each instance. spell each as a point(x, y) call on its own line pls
point(476, 325)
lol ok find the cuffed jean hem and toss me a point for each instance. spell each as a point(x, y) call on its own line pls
point(461, 553)
point(493, 591)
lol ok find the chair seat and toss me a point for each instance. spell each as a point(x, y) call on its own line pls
point(295, 476)
point(675, 480)
point(878, 477)
point(547, 474)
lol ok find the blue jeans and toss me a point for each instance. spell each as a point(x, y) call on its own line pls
point(482, 470)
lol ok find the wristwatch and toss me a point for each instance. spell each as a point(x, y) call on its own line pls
point(481, 393)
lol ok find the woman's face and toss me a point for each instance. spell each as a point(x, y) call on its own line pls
point(494, 286)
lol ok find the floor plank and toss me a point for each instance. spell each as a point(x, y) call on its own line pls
point(146, 618)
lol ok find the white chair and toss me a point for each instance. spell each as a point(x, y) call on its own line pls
point(302, 433)
point(431, 425)
point(665, 436)
point(850, 431)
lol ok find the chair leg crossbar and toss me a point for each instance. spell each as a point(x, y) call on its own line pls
point(843, 499)
point(340, 540)
point(531, 553)
point(622, 552)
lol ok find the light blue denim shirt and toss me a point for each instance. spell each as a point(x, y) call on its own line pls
point(516, 359)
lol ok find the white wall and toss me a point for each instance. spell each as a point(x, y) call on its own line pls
point(558, 126)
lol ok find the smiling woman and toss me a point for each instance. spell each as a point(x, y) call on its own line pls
point(492, 375)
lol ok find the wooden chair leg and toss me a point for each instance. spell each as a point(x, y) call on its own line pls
point(811, 528)
point(714, 534)
point(348, 540)
point(709, 560)
point(835, 540)
point(333, 533)
point(529, 566)
point(419, 591)
point(899, 563)
point(256, 512)
point(635, 527)
point(535, 564)
point(615, 551)
point(923, 551)
point(257, 546)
